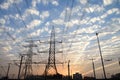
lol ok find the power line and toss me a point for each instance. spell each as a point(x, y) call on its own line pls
point(68, 15)
point(26, 1)
point(19, 12)
point(77, 27)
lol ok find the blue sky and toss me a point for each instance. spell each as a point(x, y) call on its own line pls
point(75, 22)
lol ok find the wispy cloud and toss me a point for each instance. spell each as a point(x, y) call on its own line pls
point(7, 4)
point(107, 2)
point(33, 24)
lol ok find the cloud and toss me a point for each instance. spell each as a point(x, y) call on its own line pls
point(16, 16)
point(116, 20)
point(55, 3)
point(109, 12)
point(47, 24)
point(83, 1)
point(35, 2)
point(44, 2)
point(107, 2)
point(103, 16)
point(87, 30)
point(93, 20)
point(7, 28)
point(57, 30)
point(44, 14)
point(32, 11)
point(6, 4)
point(7, 49)
point(72, 23)
point(6, 52)
point(109, 28)
point(38, 32)
point(94, 8)
point(30, 26)
point(2, 21)
point(33, 24)
point(113, 10)
point(62, 14)
point(58, 21)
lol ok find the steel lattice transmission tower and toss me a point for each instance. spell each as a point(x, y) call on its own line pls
point(28, 62)
point(51, 65)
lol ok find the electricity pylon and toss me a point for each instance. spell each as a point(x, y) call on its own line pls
point(28, 63)
point(51, 65)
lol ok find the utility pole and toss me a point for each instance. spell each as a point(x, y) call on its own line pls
point(20, 67)
point(119, 61)
point(8, 70)
point(69, 70)
point(101, 56)
point(93, 67)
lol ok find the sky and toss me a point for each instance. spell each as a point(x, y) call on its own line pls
point(76, 23)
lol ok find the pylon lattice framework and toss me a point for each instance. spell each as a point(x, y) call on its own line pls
point(51, 65)
point(28, 63)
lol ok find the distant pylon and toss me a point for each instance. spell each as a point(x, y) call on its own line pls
point(28, 63)
point(51, 65)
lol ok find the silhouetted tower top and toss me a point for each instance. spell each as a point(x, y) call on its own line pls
point(51, 65)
